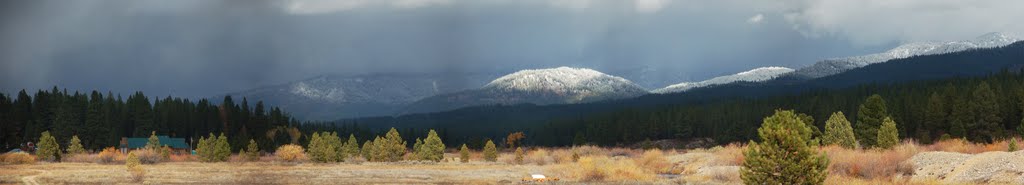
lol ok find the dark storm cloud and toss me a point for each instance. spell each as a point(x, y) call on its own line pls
point(201, 48)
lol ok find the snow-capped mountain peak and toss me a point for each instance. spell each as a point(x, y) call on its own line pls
point(837, 65)
point(560, 80)
point(754, 75)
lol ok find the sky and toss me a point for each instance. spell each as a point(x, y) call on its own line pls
point(204, 48)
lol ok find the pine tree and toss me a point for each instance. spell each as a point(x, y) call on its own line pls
point(984, 107)
point(416, 146)
point(839, 132)
point(338, 147)
point(785, 154)
point(392, 147)
point(959, 118)
point(75, 146)
point(869, 118)
point(935, 116)
point(320, 148)
point(252, 152)
point(888, 135)
point(432, 148)
point(351, 148)
point(222, 150)
point(154, 142)
point(367, 150)
point(464, 154)
point(48, 150)
point(490, 151)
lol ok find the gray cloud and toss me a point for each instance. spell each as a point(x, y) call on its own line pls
point(199, 48)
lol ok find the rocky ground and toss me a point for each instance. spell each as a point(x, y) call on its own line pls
point(956, 168)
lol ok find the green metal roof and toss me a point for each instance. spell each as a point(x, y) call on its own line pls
point(139, 142)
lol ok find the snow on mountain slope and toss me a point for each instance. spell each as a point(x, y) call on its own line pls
point(335, 97)
point(562, 85)
point(576, 84)
point(754, 75)
point(837, 65)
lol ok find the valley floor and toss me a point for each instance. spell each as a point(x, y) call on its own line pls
point(946, 162)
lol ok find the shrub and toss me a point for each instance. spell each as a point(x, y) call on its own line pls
point(75, 146)
point(464, 154)
point(78, 158)
point(17, 158)
point(490, 152)
point(888, 136)
point(148, 156)
point(109, 155)
point(839, 132)
point(432, 148)
point(289, 153)
point(48, 147)
point(601, 168)
point(1012, 146)
point(519, 155)
point(134, 167)
point(165, 153)
point(785, 155)
point(654, 161)
point(539, 157)
point(871, 164)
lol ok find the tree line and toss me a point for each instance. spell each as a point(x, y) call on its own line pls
point(980, 109)
point(100, 120)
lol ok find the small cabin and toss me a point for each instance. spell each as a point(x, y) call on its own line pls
point(177, 145)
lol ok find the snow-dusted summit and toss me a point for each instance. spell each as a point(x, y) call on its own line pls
point(576, 84)
point(754, 75)
point(562, 85)
point(837, 65)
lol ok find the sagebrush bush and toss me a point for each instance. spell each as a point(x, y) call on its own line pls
point(654, 161)
point(17, 158)
point(290, 153)
point(148, 156)
point(539, 156)
point(603, 168)
point(78, 158)
point(109, 155)
point(519, 155)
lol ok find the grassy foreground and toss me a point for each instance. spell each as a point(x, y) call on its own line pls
point(577, 165)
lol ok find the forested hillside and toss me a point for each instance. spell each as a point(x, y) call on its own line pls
point(731, 112)
point(101, 120)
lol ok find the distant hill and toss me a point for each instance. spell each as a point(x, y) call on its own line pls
point(562, 85)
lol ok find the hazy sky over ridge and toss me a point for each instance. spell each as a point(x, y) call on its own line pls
point(200, 48)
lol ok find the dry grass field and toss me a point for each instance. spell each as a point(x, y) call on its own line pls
point(907, 163)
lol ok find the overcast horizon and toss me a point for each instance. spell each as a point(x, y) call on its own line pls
point(205, 48)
